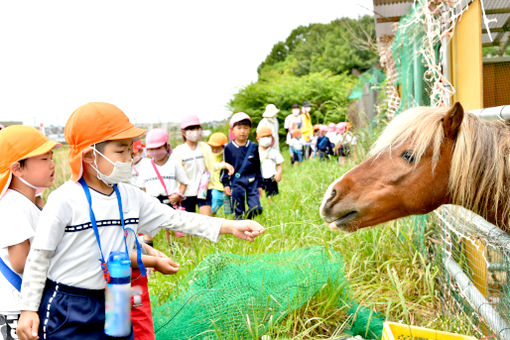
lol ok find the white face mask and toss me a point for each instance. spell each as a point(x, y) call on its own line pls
point(121, 172)
point(295, 112)
point(193, 135)
point(265, 141)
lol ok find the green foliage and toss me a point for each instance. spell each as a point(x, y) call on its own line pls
point(334, 46)
point(326, 91)
point(313, 64)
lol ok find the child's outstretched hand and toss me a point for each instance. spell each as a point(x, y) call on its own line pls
point(166, 266)
point(244, 229)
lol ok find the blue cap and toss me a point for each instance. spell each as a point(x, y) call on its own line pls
point(119, 264)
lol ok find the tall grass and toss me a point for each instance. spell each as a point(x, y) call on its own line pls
point(383, 267)
point(384, 270)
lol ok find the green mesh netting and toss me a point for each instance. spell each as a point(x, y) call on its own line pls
point(406, 47)
point(242, 296)
point(373, 77)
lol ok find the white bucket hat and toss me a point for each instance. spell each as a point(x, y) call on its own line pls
point(271, 111)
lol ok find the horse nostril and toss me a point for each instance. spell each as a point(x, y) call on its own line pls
point(333, 194)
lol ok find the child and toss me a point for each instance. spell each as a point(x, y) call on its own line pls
point(138, 152)
point(160, 176)
point(315, 136)
point(90, 216)
point(296, 146)
point(217, 143)
point(25, 165)
point(270, 161)
point(193, 156)
point(324, 145)
point(244, 156)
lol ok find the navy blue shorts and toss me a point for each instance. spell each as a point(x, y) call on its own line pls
point(191, 202)
point(73, 313)
point(270, 186)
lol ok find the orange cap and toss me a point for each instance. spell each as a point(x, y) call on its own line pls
point(264, 131)
point(217, 139)
point(93, 123)
point(19, 142)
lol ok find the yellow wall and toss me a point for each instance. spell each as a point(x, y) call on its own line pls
point(466, 58)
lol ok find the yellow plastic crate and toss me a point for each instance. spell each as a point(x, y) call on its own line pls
point(398, 331)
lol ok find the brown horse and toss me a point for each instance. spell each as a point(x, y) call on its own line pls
point(424, 158)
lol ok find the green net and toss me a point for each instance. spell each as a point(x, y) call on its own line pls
point(231, 296)
point(373, 77)
point(407, 48)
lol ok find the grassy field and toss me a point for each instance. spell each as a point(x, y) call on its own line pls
point(382, 266)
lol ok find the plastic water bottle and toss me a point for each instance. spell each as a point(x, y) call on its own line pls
point(118, 296)
point(202, 187)
point(227, 208)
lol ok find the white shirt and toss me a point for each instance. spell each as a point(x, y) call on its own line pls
point(297, 143)
point(64, 227)
point(171, 172)
point(269, 159)
point(193, 163)
point(135, 172)
point(19, 219)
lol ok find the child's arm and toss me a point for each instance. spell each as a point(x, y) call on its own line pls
point(34, 279)
point(278, 175)
point(164, 265)
point(18, 255)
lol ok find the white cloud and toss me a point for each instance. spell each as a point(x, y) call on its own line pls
point(157, 59)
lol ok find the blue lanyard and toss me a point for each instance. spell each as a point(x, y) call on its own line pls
point(104, 267)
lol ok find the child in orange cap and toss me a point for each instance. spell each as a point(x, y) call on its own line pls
point(217, 142)
point(89, 217)
point(270, 161)
point(296, 145)
point(25, 165)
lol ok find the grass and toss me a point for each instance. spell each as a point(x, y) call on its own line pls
point(384, 270)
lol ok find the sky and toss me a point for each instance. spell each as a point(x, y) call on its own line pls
point(157, 60)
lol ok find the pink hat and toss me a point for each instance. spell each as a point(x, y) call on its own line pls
point(340, 127)
point(323, 127)
point(156, 138)
point(331, 127)
point(191, 120)
point(237, 117)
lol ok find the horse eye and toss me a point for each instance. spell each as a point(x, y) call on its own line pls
point(407, 156)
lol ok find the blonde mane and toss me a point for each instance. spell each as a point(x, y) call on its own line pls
point(480, 166)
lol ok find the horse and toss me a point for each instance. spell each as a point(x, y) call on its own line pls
point(426, 157)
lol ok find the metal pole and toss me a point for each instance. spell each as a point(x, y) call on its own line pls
point(477, 300)
point(494, 113)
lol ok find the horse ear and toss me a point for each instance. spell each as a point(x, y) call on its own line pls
point(452, 120)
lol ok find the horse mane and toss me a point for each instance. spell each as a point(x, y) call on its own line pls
point(480, 166)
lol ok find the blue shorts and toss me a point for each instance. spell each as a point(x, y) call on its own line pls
point(73, 313)
point(297, 156)
point(216, 200)
point(191, 202)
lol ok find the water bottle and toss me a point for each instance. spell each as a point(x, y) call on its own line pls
point(227, 208)
point(118, 296)
point(202, 187)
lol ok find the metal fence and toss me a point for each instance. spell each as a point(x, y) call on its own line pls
point(475, 256)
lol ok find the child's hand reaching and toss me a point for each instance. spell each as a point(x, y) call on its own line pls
point(245, 229)
point(230, 168)
point(166, 266)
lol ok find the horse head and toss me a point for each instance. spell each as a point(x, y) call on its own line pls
point(407, 172)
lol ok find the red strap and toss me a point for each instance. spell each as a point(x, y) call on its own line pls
point(160, 178)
